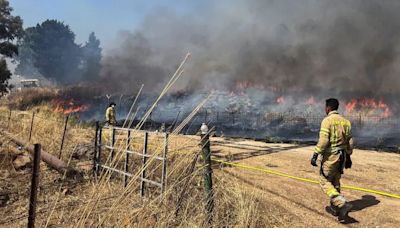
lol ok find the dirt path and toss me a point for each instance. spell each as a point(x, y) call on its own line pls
point(302, 204)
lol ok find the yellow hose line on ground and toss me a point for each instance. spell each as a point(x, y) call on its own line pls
point(303, 179)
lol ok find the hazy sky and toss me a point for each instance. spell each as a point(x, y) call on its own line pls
point(104, 17)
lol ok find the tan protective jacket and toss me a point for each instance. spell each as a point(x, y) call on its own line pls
point(110, 116)
point(335, 134)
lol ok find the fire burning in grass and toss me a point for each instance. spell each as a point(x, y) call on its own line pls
point(68, 106)
point(370, 107)
point(280, 100)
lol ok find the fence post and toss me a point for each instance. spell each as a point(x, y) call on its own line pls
point(9, 120)
point(126, 167)
point(98, 159)
point(96, 148)
point(63, 136)
point(164, 165)
point(34, 186)
point(142, 183)
point(30, 131)
point(206, 154)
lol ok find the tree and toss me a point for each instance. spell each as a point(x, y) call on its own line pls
point(10, 29)
point(53, 51)
point(5, 75)
point(91, 57)
point(25, 56)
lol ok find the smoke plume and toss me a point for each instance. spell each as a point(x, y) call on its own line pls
point(346, 48)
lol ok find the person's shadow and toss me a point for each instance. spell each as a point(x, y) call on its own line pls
point(360, 204)
point(364, 202)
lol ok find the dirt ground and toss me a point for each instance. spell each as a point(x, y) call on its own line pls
point(300, 204)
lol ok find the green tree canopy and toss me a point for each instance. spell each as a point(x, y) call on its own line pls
point(10, 29)
point(91, 57)
point(25, 65)
point(50, 47)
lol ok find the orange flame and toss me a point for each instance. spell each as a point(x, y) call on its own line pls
point(68, 106)
point(369, 106)
point(280, 100)
point(311, 101)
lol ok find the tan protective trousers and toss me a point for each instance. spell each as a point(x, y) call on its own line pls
point(330, 178)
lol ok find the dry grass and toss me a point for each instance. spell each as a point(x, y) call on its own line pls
point(242, 198)
point(103, 201)
point(28, 98)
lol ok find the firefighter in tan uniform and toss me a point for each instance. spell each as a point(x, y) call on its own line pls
point(335, 145)
point(111, 117)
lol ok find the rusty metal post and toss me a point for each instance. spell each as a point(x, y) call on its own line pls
point(142, 182)
point(208, 185)
point(164, 164)
point(126, 166)
point(63, 136)
point(30, 131)
point(34, 186)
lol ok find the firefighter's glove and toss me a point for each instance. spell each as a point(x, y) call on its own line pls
point(314, 159)
point(348, 163)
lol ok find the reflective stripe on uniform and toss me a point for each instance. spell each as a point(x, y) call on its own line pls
point(333, 135)
point(317, 149)
point(332, 192)
point(324, 131)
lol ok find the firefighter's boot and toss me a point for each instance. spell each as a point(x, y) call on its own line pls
point(333, 210)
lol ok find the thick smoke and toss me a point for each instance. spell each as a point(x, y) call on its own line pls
point(334, 48)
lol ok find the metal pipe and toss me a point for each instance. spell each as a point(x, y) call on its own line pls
point(126, 166)
point(63, 136)
point(164, 164)
point(96, 148)
point(99, 151)
point(142, 183)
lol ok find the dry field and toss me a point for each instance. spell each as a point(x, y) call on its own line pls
point(243, 198)
point(301, 204)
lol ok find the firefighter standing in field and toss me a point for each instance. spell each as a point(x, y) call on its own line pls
point(335, 145)
point(111, 117)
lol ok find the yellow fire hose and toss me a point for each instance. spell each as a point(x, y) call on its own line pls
point(303, 179)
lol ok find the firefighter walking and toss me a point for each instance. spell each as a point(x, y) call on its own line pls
point(111, 116)
point(335, 145)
